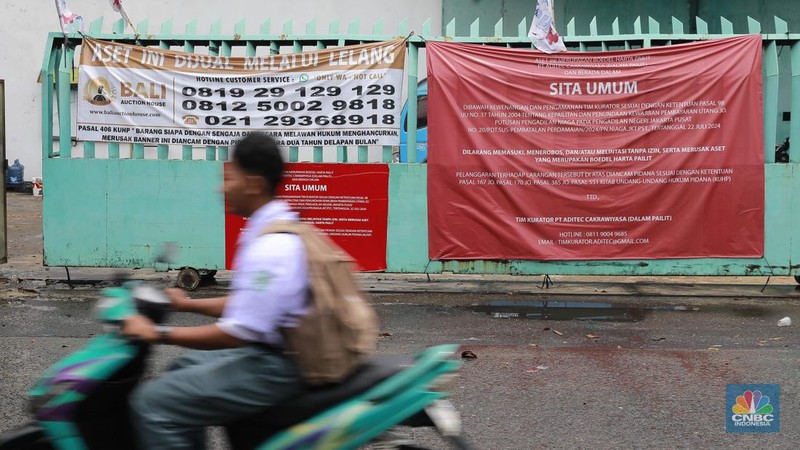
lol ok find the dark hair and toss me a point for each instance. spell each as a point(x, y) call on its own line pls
point(259, 154)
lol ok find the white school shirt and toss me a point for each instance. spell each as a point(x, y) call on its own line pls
point(270, 283)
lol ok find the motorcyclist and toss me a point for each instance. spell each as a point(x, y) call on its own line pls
point(238, 366)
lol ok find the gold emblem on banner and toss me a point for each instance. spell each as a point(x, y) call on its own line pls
point(98, 91)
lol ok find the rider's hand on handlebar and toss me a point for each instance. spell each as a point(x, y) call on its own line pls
point(140, 327)
point(178, 297)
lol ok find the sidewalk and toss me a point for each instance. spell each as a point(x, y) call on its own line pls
point(24, 270)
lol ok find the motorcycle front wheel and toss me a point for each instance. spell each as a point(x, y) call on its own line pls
point(28, 437)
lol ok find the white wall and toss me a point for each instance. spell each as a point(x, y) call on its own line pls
point(24, 25)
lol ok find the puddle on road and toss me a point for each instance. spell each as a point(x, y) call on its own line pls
point(599, 312)
point(543, 310)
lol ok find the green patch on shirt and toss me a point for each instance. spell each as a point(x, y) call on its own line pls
point(261, 280)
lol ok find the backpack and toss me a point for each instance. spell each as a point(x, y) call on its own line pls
point(340, 329)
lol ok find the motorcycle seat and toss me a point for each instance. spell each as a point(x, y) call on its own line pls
point(314, 400)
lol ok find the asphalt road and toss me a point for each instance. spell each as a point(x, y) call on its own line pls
point(652, 377)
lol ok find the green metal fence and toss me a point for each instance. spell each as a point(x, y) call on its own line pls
point(107, 211)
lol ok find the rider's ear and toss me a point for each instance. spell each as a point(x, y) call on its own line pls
point(256, 185)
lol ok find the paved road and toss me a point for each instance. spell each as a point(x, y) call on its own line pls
point(654, 377)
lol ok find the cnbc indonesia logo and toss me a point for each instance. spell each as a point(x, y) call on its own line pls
point(752, 410)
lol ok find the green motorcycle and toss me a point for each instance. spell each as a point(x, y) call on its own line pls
point(81, 402)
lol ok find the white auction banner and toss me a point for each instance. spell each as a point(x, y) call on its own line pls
point(342, 96)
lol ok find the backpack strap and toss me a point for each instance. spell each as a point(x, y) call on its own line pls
point(318, 245)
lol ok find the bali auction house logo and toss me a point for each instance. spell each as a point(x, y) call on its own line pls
point(98, 91)
point(752, 410)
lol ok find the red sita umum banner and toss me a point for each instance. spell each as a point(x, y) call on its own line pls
point(347, 202)
point(652, 153)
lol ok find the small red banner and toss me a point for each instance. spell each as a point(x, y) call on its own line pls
point(651, 153)
point(348, 202)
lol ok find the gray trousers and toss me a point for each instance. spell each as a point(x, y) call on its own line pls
point(205, 388)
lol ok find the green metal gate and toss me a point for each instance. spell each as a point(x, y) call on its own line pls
point(107, 205)
point(3, 215)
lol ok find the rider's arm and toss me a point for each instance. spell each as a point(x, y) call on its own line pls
point(211, 307)
point(203, 337)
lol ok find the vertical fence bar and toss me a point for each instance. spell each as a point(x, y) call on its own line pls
point(113, 150)
point(522, 30)
point(88, 150)
point(143, 27)
point(582, 46)
point(653, 27)
point(341, 152)
point(593, 26)
point(50, 59)
point(354, 27)
point(387, 155)
point(411, 118)
point(294, 151)
point(677, 26)
point(188, 46)
point(64, 108)
point(725, 25)
point(377, 30)
point(96, 27)
point(377, 27)
point(702, 26)
point(362, 153)
point(333, 27)
point(213, 50)
point(226, 50)
point(781, 26)
point(426, 27)
point(450, 29)
point(753, 26)
point(794, 103)
point(794, 108)
point(475, 28)
point(138, 151)
point(113, 147)
point(166, 29)
point(615, 32)
point(402, 27)
point(637, 29)
point(770, 100)
point(119, 27)
point(498, 29)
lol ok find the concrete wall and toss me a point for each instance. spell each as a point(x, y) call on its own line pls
point(120, 219)
point(24, 25)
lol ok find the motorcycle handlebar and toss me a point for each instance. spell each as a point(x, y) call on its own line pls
point(132, 298)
